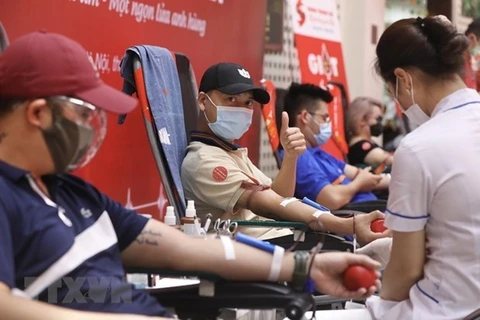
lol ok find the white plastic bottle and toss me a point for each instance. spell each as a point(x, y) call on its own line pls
point(188, 222)
point(170, 218)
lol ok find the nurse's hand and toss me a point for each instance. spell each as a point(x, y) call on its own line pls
point(362, 227)
point(379, 250)
point(327, 274)
point(292, 139)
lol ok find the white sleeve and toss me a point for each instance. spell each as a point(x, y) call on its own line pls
point(410, 192)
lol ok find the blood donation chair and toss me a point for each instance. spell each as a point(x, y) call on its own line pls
point(272, 114)
point(192, 300)
point(208, 297)
point(163, 158)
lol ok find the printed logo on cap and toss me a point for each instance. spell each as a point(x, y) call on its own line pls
point(244, 73)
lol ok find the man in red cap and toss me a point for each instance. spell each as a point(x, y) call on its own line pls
point(65, 243)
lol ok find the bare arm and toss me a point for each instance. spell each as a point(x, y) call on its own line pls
point(384, 183)
point(267, 204)
point(15, 308)
point(293, 143)
point(405, 266)
point(350, 171)
point(284, 183)
point(161, 246)
point(336, 196)
point(378, 156)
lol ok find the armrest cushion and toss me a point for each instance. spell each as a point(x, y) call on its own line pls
point(367, 206)
point(175, 273)
point(242, 295)
point(272, 224)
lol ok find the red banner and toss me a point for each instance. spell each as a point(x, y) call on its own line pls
point(268, 112)
point(207, 31)
point(317, 39)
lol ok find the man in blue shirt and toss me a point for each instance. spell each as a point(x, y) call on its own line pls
point(320, 176)
point(65, 243)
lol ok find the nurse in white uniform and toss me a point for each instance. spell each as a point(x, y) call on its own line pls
point(434, 203)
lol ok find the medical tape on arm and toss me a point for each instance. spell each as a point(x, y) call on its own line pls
point(276, 251)
point(317, 214)
point(228, 247)
point(287, 201)
point(277, 263)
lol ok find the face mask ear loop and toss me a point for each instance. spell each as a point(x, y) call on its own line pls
point(204, 111)
point(411, 91)
point(314, 121)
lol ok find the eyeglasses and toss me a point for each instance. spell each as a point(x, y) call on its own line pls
point(87, 117)
point(325, 117)
point(77, 110)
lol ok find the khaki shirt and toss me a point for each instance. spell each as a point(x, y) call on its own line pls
point(212, 173)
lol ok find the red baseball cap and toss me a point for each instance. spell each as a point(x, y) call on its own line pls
point(43, 64)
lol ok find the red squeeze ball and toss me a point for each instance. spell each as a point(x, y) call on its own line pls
point(356, 277)
point(377, 226)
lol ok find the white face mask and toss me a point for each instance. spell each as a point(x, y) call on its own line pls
point(232, 122)
point(415, 114)
point(325, 132)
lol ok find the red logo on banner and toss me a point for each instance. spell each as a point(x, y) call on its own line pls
point(302, 19)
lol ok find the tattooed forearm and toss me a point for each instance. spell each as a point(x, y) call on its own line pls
point(148, 237)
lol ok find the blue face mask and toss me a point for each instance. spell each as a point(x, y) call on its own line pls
point(232, 122)
point(325, 132)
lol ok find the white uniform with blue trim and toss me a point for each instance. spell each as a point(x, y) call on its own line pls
point(436, 185)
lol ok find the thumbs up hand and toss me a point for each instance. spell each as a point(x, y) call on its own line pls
point(292, 139)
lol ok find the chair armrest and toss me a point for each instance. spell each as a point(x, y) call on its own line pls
point(227, 294)
point(272, 224)
point(241, 295)
point(366, 206)
point(175, 273)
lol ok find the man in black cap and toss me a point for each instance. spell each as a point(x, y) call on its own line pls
point(218, 175)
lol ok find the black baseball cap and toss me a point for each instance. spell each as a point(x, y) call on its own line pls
point(231, 78)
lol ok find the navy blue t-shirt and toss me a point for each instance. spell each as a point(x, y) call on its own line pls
point(66, 250)
point(316, 169)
